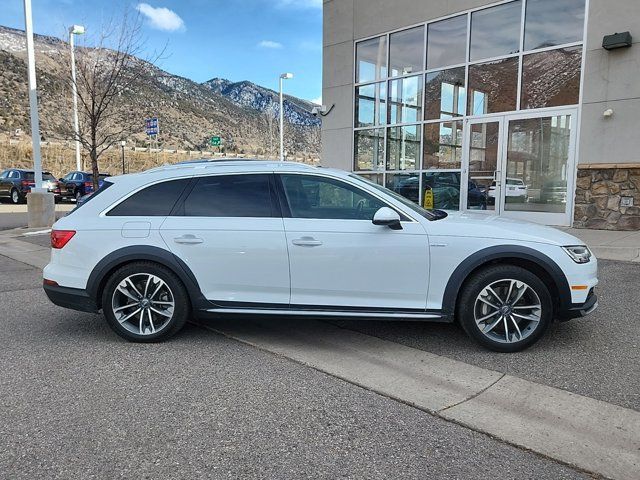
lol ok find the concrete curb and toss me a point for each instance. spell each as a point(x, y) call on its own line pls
point(24, 252)
point(588, 434)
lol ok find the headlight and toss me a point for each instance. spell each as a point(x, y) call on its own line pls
point(578, 253)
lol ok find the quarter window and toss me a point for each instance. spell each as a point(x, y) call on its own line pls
point(325, 198)
point(230, 196)
point(155, 201)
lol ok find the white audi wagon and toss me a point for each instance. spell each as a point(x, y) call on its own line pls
point(242, 238)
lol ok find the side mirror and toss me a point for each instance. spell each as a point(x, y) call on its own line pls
point(387, 216)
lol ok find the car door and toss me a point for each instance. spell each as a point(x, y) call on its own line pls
point(339, 259)
point(4, 190)
point(229, 232)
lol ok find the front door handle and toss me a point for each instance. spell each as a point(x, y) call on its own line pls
point(306, 242)
point(188, 240)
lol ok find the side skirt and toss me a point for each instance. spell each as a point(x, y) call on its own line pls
point(329, 313)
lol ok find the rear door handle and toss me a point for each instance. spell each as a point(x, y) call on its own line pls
point(306, 242)
point(188, 240)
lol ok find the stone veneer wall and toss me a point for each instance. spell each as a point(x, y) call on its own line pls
point(599, 191)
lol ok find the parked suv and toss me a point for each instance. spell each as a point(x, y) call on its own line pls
point(272, 238)
point(15, 184)
point(75, 185)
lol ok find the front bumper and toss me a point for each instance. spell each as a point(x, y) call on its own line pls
point(73, 298)
point(578, 310)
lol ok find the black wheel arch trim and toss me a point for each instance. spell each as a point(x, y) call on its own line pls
point(504, 252)
point(149, 253)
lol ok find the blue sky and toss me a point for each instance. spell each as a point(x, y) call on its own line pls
point(236, 39)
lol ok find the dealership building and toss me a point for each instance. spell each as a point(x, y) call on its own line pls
point(525, 109)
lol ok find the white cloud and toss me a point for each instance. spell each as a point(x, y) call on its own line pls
point(300, 4)
point(269, 44)
point(317, 101)
point(161, 18)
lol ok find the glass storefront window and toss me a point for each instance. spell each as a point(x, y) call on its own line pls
point(405, 184)
point(371, 59)
point(373, 177)
point(447, 42)
point(441, 190)
point(403, 147)
point(493, 86)
point(495, 31)
point(550, 22)
point(551, 78)
point(406, 51)
point(405, 100)
point(369, 149)
point(445, 95)
point(442, 145)
point(371, 101)
point(537, 159)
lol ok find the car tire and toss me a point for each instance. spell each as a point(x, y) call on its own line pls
point(77, 195)
point(15, 196)
point(150, 290)
point(505, 308)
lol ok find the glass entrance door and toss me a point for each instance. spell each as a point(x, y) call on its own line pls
point(521, 166)
point(482, 166)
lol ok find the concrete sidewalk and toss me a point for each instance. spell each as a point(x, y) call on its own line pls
point(609, 245)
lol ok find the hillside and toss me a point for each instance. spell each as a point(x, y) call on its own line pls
point(243, 114)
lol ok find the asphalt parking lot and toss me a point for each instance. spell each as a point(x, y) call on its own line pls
point(78, 402)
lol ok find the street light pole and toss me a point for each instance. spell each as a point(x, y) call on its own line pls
point(284, 76)
point(122, 144)
point(33, 96)
point(40, 203)
point(75, 30)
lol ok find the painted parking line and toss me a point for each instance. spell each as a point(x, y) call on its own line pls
point(589, 434)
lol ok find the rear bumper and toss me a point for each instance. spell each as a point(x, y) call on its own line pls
point(73, 298)
point(578, 310)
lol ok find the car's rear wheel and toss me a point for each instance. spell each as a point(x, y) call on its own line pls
point(145, 302)
point(78, 195)
point(505, 308)
point(16, 198)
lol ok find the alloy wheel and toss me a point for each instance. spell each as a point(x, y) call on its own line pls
point(507, 311)
point(143, 304)
point(15, 196)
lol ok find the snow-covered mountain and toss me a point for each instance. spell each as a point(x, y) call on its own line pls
point(243, 113)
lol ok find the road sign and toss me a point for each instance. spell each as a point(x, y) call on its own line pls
point(215, 141)
point(152, 126)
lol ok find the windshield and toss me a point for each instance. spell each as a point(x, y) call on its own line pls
point(428, 214)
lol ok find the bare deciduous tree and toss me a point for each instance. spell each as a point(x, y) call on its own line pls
point(108, 75)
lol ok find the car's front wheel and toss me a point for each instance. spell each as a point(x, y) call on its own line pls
point(145, 302)
point(505, 308)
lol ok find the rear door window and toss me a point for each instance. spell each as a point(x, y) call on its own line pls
point(230, 196)
point(154, 201)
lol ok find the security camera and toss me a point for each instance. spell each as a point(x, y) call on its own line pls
point(319, 110)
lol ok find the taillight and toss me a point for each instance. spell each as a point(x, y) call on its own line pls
point(59, 238)
point(88, 184)
point(24, 183)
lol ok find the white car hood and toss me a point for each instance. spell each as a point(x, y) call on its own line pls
point(492, 226)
